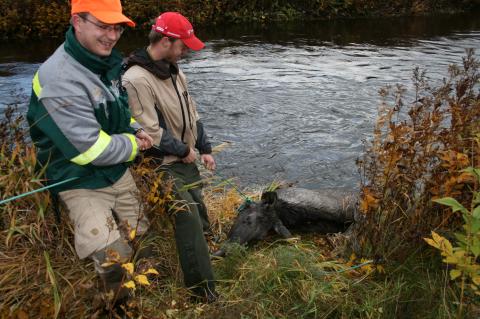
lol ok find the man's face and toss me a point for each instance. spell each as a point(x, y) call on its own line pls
point(96, 36)
point(176, 50)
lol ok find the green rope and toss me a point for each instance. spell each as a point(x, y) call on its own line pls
point(37, 190)
point(246, 199)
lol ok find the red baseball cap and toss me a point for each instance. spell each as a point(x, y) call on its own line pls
point(175, 25)
point(107, 11)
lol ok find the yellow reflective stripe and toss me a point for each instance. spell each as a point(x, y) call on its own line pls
point(132, 120)
point(134, 146)
point(94, 151)
point(37, 88)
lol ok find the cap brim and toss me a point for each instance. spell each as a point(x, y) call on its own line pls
point(194, 43)
point(110, 17)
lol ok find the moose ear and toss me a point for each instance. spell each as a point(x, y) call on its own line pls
point(269, 198)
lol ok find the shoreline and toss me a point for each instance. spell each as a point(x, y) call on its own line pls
point(50, 18)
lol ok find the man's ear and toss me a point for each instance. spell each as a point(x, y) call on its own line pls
point(165, 42)
point(269, 198)
point(75, 21)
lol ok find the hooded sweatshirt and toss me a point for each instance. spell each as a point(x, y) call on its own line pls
point(160, 102)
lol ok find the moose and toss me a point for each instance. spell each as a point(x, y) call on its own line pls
point(293, 209)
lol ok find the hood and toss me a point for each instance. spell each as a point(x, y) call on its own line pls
point(161, 68)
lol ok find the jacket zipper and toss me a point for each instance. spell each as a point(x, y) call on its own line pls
point(187, 103)
point(181, 105)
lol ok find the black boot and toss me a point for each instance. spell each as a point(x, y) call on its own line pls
point(204, 293)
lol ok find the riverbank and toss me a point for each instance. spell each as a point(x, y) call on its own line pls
point(42, 18)
point(382, 269)
point(312, 276)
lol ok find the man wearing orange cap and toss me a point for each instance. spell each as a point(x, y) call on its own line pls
point(160, 102)
point(85, 137)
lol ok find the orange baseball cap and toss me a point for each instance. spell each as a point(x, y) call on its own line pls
point(107, 11)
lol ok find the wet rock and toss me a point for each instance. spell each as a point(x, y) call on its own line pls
point(320, 211)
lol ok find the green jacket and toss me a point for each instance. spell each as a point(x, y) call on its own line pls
point(79, 118)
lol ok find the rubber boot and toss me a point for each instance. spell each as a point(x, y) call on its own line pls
point(113, 276)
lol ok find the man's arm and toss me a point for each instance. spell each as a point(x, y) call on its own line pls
point(71, 124)
point(141, 100)
point(202, 144)
point(204, 147)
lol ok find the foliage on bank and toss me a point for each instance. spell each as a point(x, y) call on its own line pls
point(425, 153)
point(40, 18)
point(429, 152)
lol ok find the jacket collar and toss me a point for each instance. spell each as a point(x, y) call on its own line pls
point(109, 68)
point(160, 68)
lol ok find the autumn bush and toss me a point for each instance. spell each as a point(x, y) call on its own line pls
point(418, 154)
point(38, 18)
point(41, 276)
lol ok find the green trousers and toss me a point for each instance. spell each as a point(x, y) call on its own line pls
point(189, 226)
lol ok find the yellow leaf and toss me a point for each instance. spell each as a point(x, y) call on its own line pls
point(368, 201)
point(132, 234)
point(455, 273)
point(128, 267)
point(431, 242)
point(463, 159)
point(451, 260)
point(476, 280)
point(459, 254)
point(113, 255)
point(447, 246)
point(351, 260)
point(443, 244)
point(436, 237)
point(142, 280)
point(151, 271)
point(108, 264)
point(129, 285)
point(380, 269)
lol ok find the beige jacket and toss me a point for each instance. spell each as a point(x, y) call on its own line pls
point(163, 107)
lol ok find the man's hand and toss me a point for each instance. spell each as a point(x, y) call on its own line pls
point(141, 144)
point(146, 140)
point(208, 161)
point(191, 157)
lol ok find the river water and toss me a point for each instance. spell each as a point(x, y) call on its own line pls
point(294, 100)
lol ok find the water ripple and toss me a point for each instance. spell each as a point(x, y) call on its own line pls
point(295, 110)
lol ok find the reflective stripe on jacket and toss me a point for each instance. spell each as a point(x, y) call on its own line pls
point(79, 125)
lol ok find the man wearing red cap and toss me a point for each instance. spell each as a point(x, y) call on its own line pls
point(81, 126)
point(160, 102)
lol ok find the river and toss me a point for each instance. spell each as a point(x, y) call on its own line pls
point(295, 100)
